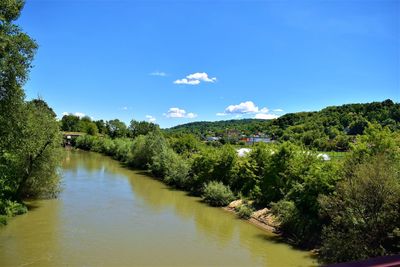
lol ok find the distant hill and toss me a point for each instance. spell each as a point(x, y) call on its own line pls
point(332, 128)
point(219, 128)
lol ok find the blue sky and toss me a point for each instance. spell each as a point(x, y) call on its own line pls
point(181, 61)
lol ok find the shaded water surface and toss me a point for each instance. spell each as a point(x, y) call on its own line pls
point(111, 216)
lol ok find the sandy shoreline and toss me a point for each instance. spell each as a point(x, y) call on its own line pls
point(261, 218)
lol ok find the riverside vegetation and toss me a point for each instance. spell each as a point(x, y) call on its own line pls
point(349, 209)
point(330, 205)
point(29, 132)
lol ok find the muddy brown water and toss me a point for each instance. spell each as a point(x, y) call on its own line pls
point(108, 215)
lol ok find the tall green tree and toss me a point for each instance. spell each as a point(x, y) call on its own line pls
point(116, 128)
point(137, 128)
point(29, 132)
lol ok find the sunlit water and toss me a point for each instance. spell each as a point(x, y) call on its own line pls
point(108, 215)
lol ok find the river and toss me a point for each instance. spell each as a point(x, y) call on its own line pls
point(108, 215)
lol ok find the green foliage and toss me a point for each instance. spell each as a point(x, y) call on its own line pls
point(85, 142)
point(244, 212)
point(116, 129)
point(3, 220)
point(244, 176)
point(331, 129)
point(70, 123)
point(173, 169)
point(213, 164)
point(364, 213)
point(309, 196)
point(12, 208)
point(185, 144)
point(145, 148)
point(217, 194)
point(137, 128)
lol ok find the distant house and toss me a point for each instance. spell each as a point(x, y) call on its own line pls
point(256, 139)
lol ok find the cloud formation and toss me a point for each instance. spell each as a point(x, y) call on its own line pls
point(150, 118)
point(246, 108)
point(179, 113)
point(158, 73)
point(195, 79)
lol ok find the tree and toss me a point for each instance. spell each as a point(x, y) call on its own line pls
point(137, 128)
point(364, 213)
point(29, 133)
point(101, 126)
point(116, 128)
point(70, 123)
point(41, 153)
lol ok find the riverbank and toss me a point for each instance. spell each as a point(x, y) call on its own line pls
point(111, 215)
point(262, 218)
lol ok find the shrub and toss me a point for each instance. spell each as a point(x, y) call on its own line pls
point(244, 211)
point(172, 168)
point(121, 149)
point(12, 208)
point(144, 148)
point(364, 213)
point(85, 142)
point(3, 220)
point(217, 194)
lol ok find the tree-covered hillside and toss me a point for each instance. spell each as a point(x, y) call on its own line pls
point(332, 128)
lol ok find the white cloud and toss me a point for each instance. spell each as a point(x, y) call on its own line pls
point(179, 113)
point(264, 116)
point(278, 110)
point(150, 118)
point(191, 115)
point(125, 108)
point(196, 78)
point(244, 107)
point(65, 113)
point(186, 81)
point(158, 73)
point(201, 76)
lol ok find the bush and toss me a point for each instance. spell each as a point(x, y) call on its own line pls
point(121, 149)
point(144, 148)
point(172, 168)
point(11, 208)
point(3, 220)
point(244, 212)
point(217, 194)
point(364, 213)
point(85, 142)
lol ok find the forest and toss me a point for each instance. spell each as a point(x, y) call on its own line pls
point(331, 129)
